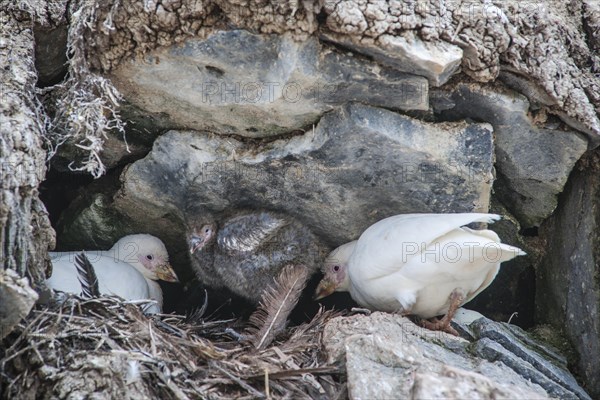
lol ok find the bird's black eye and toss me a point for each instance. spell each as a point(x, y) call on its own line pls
point(149, 257)
point(336, 268)
point(207, 230)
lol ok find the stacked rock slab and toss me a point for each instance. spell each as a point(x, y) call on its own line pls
point(568, 295)
point(406, 361)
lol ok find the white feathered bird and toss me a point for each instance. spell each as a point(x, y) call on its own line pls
point(419, 264)
point(130, 269)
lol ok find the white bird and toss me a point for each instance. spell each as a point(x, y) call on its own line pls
point(418, 264)
point(129, 269)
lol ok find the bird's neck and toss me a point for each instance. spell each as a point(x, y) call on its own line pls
point(208, 252)
point(345, 285)
point(206, 260)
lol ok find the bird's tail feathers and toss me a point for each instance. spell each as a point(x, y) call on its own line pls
point(509, 252)
point(488, 218)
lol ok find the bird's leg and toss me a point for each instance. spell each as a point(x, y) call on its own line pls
point(456, 298)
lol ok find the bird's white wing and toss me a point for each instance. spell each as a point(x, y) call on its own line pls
point(70, 255)
point(114, 277)
point(391, 243)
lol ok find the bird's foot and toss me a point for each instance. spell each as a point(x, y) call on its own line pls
point(358, 310)
point(456, 298)
point(435, 324)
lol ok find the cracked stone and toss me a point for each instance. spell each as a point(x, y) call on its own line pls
point(236, 82)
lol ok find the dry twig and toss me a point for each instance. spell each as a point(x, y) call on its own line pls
point(107, 344)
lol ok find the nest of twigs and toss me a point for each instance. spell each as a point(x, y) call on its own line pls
point(104, 348)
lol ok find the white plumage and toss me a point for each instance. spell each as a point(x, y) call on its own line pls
point(413, 263)
point(129, 269)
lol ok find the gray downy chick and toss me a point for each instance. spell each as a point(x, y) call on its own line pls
point(201, 237)
point(245, 253)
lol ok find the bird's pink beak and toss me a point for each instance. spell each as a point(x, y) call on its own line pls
point(325, 288)
point(166, 273)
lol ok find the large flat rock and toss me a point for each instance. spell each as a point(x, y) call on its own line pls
point(404, 358)
point(246, 84)
point(409, 362)
point(359, 165)
point(568, 289)
point(437, 61)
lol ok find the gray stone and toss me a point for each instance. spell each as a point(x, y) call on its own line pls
point(18, 298)
point(91, 213)
point(406, 360)
point(456, 383)
point(488, 349)
point(465, 316)
point(437, 61)
point(236, 82)
point(568, 289)
point(546, 350)
point(535, 94)
point(541, 364)
point(462, 322)
point(533, 163)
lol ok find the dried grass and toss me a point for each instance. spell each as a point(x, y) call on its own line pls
point(163, 356)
